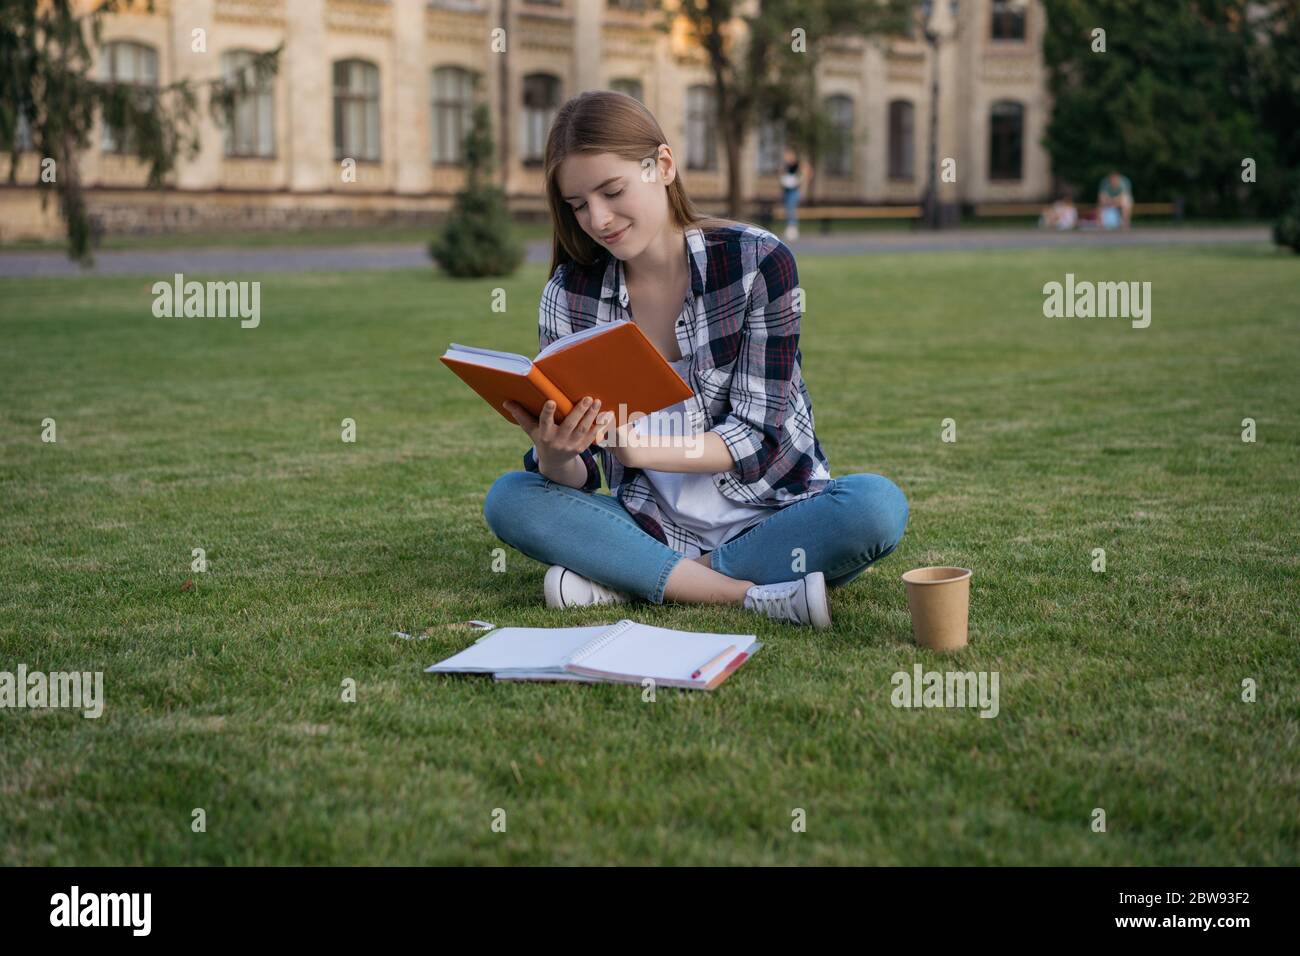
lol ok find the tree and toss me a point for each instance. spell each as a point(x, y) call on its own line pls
point(768, 70)
point(1279, 75)
point(1178, 99)
point(477, 239)
point(47, 53)
point(1286, 228)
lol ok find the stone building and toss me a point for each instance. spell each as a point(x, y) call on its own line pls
point(390, 83)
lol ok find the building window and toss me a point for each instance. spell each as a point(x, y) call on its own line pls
point(135, 65)
point(1006, 140)
point(356, 110)
point(251, 127)
point(636, 5)
point(701, 127)
point(1008, 20)
point(771, 147)
point(839, 159)
point(541, 101)
point(453, 113)
point(902, 140)
point(914, 25)
point(629, 86)
point(23, 135)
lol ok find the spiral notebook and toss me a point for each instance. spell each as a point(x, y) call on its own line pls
point(624, 653)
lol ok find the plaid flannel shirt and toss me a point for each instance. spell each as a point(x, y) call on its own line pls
point(740, 326)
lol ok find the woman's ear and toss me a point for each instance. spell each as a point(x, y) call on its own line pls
point(665, 157)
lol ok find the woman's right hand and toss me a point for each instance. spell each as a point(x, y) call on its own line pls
point(581, 428)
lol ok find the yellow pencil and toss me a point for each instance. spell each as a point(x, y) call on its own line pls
point(707, 664)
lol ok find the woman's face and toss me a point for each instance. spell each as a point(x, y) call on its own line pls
point(621, 204)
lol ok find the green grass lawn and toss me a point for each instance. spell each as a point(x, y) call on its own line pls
point(526, 231)
point(1119, 690)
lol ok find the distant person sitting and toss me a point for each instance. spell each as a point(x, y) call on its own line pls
point(1114, 201)
point(1061, 214)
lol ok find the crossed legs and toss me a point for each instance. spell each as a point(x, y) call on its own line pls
point(855, 521)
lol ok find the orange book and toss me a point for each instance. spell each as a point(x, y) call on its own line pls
point(613, 362)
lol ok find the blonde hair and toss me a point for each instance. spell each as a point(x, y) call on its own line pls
point(602, 121)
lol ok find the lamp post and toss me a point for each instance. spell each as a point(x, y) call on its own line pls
point(930, 204)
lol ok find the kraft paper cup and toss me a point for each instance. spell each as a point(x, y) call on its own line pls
point(939, 599)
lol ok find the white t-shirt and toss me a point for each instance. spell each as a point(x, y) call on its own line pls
point(691, 499)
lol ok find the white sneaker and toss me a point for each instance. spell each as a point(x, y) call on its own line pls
point(801, 602)
point(565, 588)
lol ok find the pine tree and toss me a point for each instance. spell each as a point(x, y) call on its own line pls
point(477, 239)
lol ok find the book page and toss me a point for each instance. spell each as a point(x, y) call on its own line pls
point(662, 653)
point(489, 358)
point(520, 648)
point(577, 337)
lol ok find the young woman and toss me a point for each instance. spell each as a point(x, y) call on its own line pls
point(794, 179)
point(738, 509)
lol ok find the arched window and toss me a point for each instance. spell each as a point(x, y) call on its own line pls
point(453, 108)
point(701, 127)
point(251, 129)
point(1006, 140)
point(1008, 21)
point(133, 64)
point(902, 140)
point(541, 101)
point(839, 158)
point(632, 87)
point(356, 110)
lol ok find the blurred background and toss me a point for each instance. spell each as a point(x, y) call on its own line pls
point(359, 126)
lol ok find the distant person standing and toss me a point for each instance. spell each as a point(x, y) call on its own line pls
point(794, 177)
point(1114, 200)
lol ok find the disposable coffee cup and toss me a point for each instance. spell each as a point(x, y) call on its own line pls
point(939, 599)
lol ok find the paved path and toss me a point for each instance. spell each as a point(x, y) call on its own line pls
point(224, 262)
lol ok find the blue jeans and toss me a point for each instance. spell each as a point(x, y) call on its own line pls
point(791, 200)
point(853, 522)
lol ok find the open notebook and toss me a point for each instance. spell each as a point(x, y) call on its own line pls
point(625, 652)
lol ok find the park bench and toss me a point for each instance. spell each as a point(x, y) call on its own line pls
point(769, 210)
point(996, 210)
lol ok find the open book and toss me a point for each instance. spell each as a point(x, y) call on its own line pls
point(613, 362)
point(622, 653)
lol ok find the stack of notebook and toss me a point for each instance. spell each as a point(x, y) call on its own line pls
point(622, 653)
